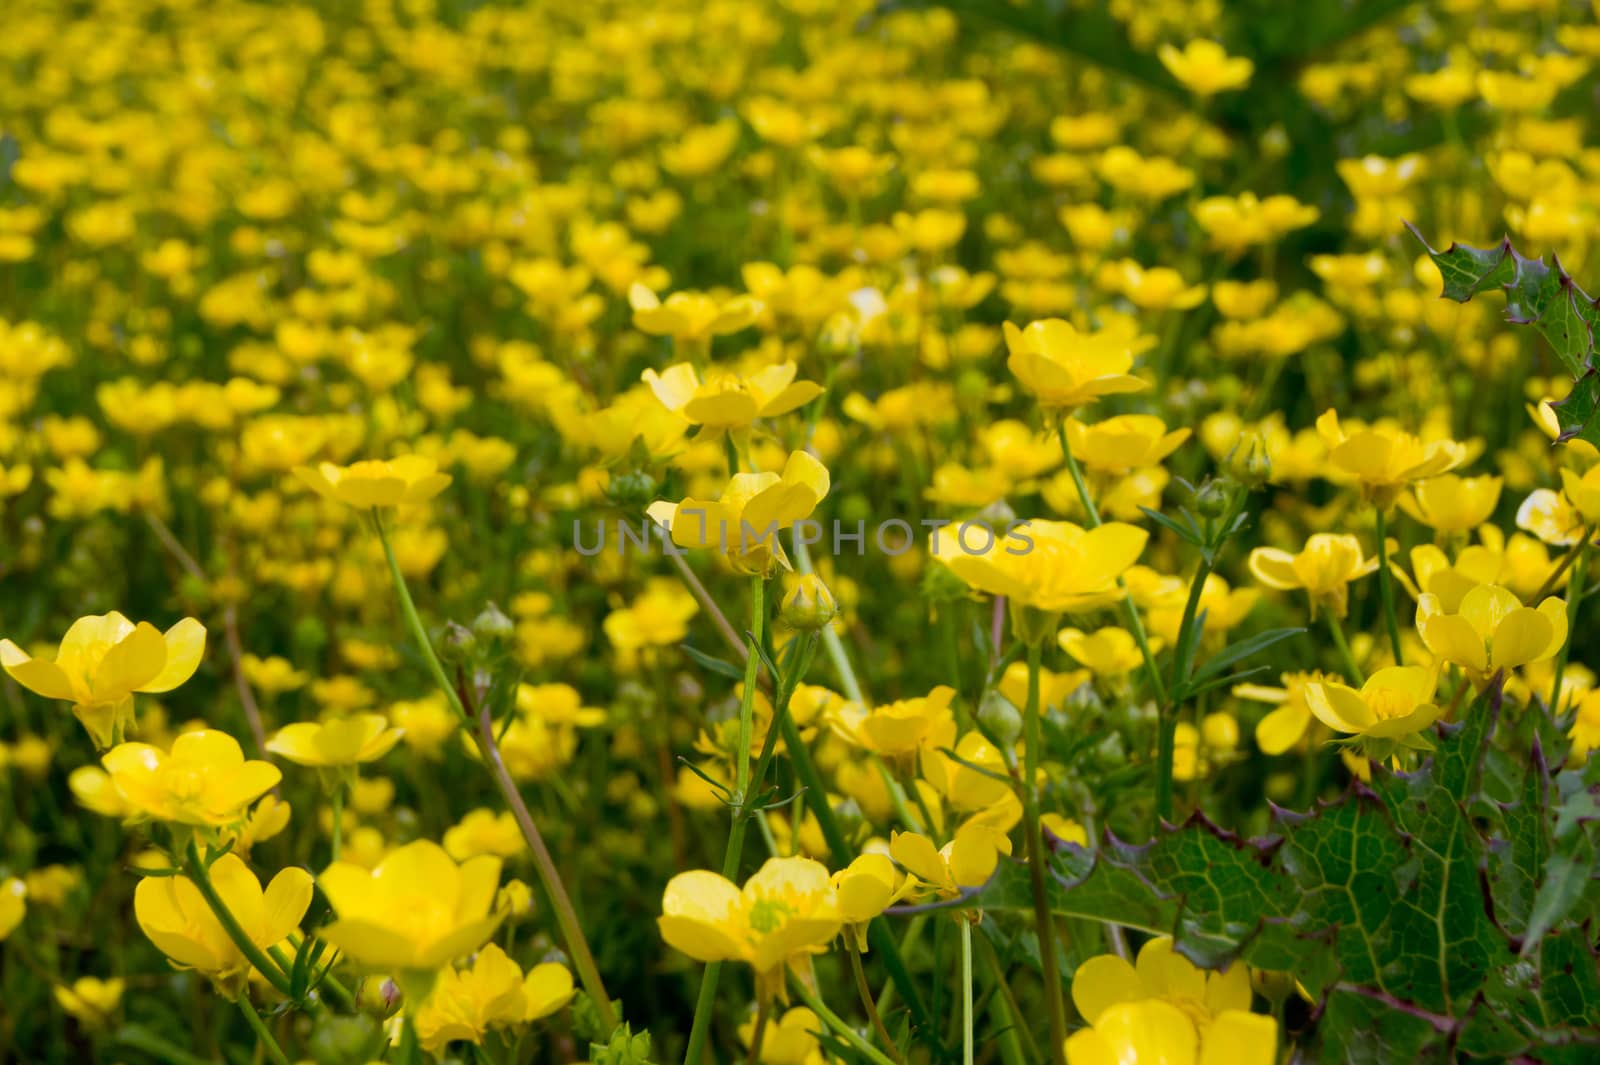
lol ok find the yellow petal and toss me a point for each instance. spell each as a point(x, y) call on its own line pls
point(186, 645)
point(547, 988)
point(134, 661)
point(284, 904)
point(1238, 1037)
point(1452, 638)
point(1282, 729)
point(1340, 708)
point(1103, 981)
point(1274, 568)
point(1521, 637)
point(35, 674)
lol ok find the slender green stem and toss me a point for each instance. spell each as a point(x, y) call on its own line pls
point(1386, 588)
point(201, 879)
point(1345, 654)
point(1567, 560)
point(758, 1034)
point(338, 818)
point(1032, 748)
point(841, 1029)
point(1574, 599)
point(410, 1049)
point(700, 1029)
point(263, 1036)
point(549, 876)
point(864, 989)
point(1016, 1032)
point(966, 990)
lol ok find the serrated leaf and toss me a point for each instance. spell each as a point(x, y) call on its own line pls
point(1545, 297)
point(1384, 904)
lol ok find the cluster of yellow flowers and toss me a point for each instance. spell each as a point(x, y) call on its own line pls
point(835, 448)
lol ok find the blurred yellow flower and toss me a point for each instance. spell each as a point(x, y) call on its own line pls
point(376, 482)
point(728, 401)
point(1204, 68)
point(339, 742)
point(1048, 565)
point(1065, 369)
point(1324, 568)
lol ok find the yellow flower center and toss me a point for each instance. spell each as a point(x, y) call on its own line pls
point(768, 915)
point(1388, 703)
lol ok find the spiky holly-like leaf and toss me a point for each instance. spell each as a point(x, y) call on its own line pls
point(1541, 295)
point(1425, 917)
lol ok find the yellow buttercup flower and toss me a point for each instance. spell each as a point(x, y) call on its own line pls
point(690, 316)
point(726, 400)
point(465, 1004)
point(1064, 368)
point(967, 861)
point(1204, 68)
point(1107, 652)
point(1491, 630)
point(414, 913)
point(102, 661)
point(1283, 727)
point(1126, 442)
point(340, 742)
point(898, 728)
point(204, 780)
point(1449, 503)
point(788, 1040)
point(1153, 1030)
point(1449, 581)
point(744, 522)
point(864, 889)
point(1395, 703)
point(786, 912)
point(1384, 460)
point(377, 482)
point(1048, 565)
point(1137, 1008)
point(1324, 568)
point(175, 917)
point(91, 1000)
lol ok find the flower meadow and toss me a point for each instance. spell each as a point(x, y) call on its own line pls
point(799, 532)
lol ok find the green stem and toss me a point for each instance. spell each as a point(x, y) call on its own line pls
point(264, 1037)
point(1017, 1033)
point(560, 902)
point(759, 1033)
point(410, 1049)
point(201, 879)
point(700, 1029)
point(1574, 598)
point(1032, 748)
point(841, 1029)
point(338, 818)
point(1343, 645)
point(878, 934)
point(864, 989)
point(966, 989)
point(1386, 588)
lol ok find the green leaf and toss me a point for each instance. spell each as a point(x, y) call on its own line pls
point(1237, 652)
point(715, 665)
point(1401, 907)
point(1545, 297)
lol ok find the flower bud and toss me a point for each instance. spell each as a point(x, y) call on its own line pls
point(1249, 462)
point(1211, 498)
point(809, 606)
point(492, 624)
point(631, 489)
point(1000, 720)
point(456, 642)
